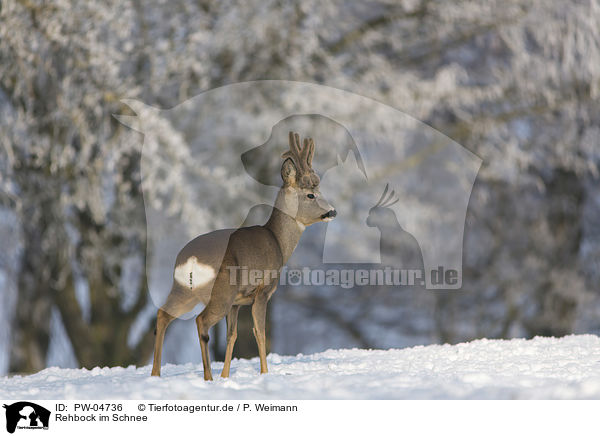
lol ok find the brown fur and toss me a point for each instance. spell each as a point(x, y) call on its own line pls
point(264, 248)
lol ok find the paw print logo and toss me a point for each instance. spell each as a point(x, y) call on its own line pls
point(294, 277)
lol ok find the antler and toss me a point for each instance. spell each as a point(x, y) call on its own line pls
point(302, 158)
point(386, 202)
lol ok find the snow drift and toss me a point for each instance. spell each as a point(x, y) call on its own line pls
point(539, 368)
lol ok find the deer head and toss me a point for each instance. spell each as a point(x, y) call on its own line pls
point(300, 196)
point(381, 215)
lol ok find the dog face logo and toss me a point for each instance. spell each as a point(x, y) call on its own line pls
point(26, 415)
point(207, 165)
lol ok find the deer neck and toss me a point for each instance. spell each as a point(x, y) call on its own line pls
point(287, 231)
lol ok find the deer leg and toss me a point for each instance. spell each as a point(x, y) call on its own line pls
point(214, 311)
point(203, 328)
point(232, 318)
point(163, 319)
point(259, 313)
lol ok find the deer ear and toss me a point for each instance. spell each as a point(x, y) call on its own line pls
point(288, 172)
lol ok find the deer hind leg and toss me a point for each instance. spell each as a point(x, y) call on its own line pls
point(232, 318)
point(203, 336)
point(179, 301)
point(259, 313)
point(163, 319)
point(214, 311)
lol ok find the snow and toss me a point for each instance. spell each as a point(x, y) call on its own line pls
point(540, 368)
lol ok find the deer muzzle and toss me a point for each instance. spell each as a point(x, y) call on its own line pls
point(329, 215)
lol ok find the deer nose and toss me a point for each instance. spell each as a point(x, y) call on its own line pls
point(331, 214)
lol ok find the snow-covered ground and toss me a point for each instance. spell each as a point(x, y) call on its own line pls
point(541, 368)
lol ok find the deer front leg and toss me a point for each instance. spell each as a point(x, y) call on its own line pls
point(232, 318)
point(259, 313)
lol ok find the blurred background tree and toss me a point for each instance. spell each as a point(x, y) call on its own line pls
point(515, 82)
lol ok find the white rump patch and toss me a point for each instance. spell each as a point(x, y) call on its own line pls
point(193, 274)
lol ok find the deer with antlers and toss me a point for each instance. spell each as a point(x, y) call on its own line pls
point(203, 268)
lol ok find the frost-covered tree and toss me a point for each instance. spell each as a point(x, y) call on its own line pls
point(515, 82)
point(72, 177)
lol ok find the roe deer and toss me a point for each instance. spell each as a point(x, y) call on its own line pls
point(203, 267)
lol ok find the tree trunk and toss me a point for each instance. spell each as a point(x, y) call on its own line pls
point(31, 334)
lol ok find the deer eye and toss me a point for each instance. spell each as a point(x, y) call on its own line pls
point(311, 196)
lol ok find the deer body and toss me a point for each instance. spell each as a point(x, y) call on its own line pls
point(207, 268)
